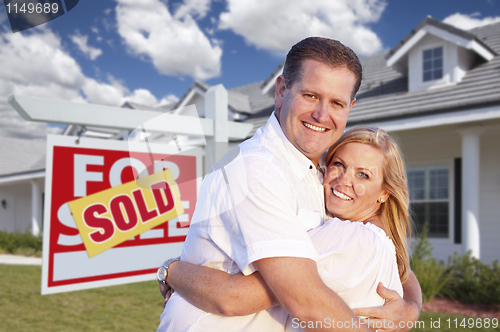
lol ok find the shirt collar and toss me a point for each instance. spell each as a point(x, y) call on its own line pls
point(322, 164)
point(299, 163)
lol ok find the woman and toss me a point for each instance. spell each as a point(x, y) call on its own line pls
point(365, 182)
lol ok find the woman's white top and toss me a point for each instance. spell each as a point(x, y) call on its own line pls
point(354, 258)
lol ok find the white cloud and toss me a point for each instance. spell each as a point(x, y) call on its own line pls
point(81, 42)
point(35, 64)
point(198, 8)
point(169, 99)
point(277, 25)
point(144, 97)
point(174, 46)
point(467, 22)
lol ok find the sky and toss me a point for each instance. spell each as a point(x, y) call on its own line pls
point(151, 51)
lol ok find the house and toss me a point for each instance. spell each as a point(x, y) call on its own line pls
point(22, 179)
point(438, 93)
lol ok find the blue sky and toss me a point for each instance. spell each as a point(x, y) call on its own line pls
point(151, 51)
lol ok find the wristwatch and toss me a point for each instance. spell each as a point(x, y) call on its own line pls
point(162, 273)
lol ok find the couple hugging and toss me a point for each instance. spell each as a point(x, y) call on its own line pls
point(287, 237)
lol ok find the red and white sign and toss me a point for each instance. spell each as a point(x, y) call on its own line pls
point(92, 166)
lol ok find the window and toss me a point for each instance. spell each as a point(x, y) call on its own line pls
point(433, 64)
point(429, 198)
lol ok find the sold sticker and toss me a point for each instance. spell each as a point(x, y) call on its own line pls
point(110, 217)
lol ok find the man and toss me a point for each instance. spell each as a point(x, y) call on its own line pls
point(254, 213)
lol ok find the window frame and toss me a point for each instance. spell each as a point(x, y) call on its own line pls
point(449, 163)
point(419, 81)
point(433, 69)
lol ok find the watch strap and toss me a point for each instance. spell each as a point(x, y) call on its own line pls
point(166, 265)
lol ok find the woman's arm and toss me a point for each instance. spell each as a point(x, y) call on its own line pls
point(218, 292)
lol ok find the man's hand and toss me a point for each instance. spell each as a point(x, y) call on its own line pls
point(394, 315)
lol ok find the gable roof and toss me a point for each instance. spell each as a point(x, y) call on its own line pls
point(384, 94)
point(270, 81)
point(444, 31)
point(238, 102)
point(21, 155)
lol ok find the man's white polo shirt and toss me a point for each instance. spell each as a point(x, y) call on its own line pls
point(259, 205)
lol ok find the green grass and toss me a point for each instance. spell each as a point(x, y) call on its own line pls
point(130, 307)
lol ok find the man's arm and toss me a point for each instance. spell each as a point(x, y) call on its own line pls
point(396, 309)
point(299, 288)
point(219, 292)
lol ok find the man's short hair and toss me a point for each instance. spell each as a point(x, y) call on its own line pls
point(328, 51)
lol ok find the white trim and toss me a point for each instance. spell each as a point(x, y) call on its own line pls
point(271, 82)
point(447, 36)
point(405, 48)
point(28, 176)
point(481, 50)
point(465, 43)
point(437, 120)
point(193, 91)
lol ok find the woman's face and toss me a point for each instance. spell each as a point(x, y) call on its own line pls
point(354, 182)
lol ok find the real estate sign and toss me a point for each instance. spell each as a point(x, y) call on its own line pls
point(112, 215)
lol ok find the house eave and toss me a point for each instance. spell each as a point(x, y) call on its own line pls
point(455, 118)
point(21, 177)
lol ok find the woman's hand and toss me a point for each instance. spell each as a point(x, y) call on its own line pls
point(164, 288)
point(394, 315)
point(167, 296)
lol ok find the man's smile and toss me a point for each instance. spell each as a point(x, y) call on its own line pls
point(312, 127)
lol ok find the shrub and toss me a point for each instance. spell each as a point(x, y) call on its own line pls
point(431, 274)
point(20, 243)
point(474, 281)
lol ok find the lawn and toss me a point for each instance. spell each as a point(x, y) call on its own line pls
point(131, 307)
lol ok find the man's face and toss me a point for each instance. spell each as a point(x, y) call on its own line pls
point(313, 111)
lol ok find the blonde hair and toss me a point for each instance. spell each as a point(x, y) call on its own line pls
point(394, 213)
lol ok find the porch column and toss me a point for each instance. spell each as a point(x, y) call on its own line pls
point(470, 189)
point(36, 207)
point(216, 108)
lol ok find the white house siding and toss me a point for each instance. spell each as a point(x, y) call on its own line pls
point(456, 61)
point(17, 215)
point(489, 200)
point(432, 148)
